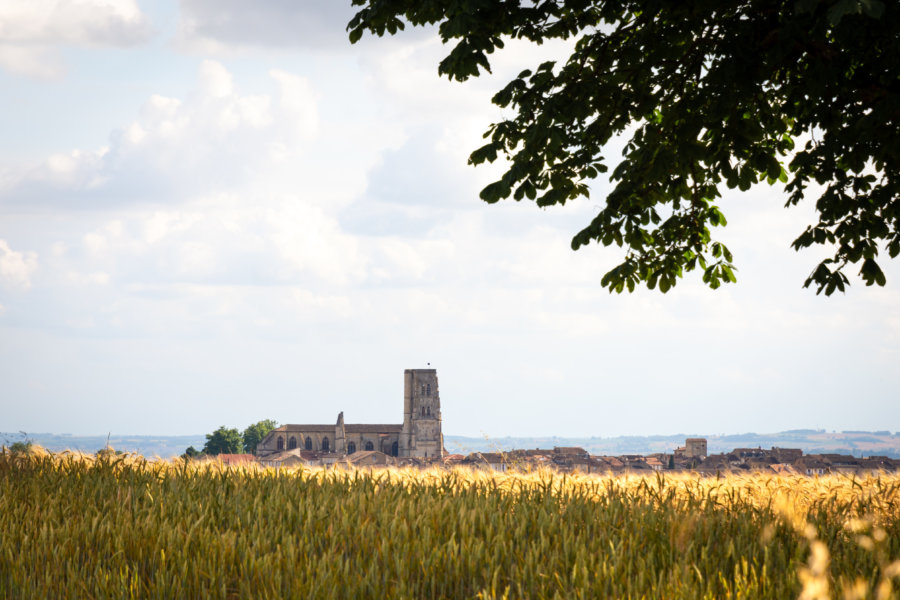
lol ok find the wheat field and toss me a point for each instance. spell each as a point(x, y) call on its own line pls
point(77, 526)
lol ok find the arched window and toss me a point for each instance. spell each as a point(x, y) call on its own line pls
point(428, 411)
point(423, 389)
point(428, 390)
point(370, 446)
point(308, 443)
point(395, 449)
point(351, 447)
point(280, 443)
point(292, 443)
point(324, 444)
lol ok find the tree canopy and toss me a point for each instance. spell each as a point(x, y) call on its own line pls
point(255, 433)
point(712, 92)
point(223, 441)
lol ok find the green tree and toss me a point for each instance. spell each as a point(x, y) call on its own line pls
point(255, 433)
point(223, 441)
point(710, 92)
point(20, 447)
point(191, 452)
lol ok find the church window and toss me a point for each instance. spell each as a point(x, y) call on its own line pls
point(395, 449)
point(292, 443)
point(370, 446)
point(280, 443)
point(428, 411)
point(351, 447)
point(428, 390)
point(324, 444)
point(423, 389)
point(308, 443)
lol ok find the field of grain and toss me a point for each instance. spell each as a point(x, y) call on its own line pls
point(123, 527)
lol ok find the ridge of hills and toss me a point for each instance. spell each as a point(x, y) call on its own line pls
point(811, 441)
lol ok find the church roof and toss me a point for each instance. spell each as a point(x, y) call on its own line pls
point(348, 428)
point(373, 428)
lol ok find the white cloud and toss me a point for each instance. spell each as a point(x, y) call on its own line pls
point(16, 268)
point(225, 26)
point(215, 139)
point(32, 31)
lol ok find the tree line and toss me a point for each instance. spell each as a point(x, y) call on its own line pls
point(225, 440)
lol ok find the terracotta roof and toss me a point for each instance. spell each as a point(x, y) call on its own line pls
point(569, 450)
point(236, 459)
point(363, 454)
point(783, 469)
point(488, 457)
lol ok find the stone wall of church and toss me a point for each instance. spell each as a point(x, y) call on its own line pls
point(326, 441)
point(419, 436)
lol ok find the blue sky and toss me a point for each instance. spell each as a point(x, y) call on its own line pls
point(219, 212)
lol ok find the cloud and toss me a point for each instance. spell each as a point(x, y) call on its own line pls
point(16, 268)
point(217, 26)
point(213, 140)
point(32, 31)
point(277, 232)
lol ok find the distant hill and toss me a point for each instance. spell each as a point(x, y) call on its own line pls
point(146, 445)
point(857, 443)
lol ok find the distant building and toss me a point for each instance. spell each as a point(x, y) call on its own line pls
point(786, 455)
point(695, 447)
point(419, 436)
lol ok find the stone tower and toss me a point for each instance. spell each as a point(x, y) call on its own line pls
point(421, 434)
point(340, 435)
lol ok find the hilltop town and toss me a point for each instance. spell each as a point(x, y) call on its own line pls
point(419, 441)
point(692, 457)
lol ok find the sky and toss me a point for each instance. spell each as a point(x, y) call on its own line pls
point(216, 212)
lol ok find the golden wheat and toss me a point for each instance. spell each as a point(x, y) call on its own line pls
point(76, 526)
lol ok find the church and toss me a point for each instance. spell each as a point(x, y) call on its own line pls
point(419, 436)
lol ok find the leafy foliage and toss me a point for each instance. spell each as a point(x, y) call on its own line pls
point(223, 441)
point(711, 92)
point(255, 433)
point(20, 447)
point(191, 452)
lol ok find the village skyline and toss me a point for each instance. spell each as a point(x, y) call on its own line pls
point(857, 443)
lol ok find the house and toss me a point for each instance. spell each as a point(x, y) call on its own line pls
point(654, 463)
point(812, 465)
point(786, 455)
point(843, 463)
point(714, 464)
point(369, 458)
point(783, 469)
point(488, 460)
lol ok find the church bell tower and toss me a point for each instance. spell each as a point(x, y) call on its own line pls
point(421, 435)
